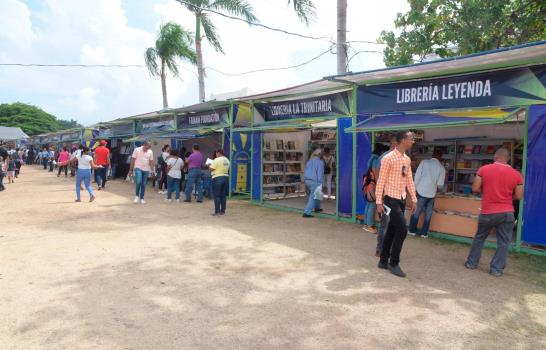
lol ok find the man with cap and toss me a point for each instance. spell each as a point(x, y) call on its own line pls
point(195, 174)
point(102, 158)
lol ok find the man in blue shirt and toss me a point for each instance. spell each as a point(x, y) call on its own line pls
point(313, 177)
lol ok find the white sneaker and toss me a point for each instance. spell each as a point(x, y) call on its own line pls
point(136, 200)
point(142, 201)
point(178, 201)
point(424, 236)
point(411, 233)
point(167, 200)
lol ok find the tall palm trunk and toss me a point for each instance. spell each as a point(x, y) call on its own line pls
point(164, 84)
point(341, 36)
point(199, 57)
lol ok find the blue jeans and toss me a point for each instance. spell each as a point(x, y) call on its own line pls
point(504, 226)
point(44, 163)
point(220, 189)
point(195, 177)
point(85, 176)
point(312, 203)
point(141, 177)
point(173, 185)
point(426, 204)
point(369, 218)
point(100, 176)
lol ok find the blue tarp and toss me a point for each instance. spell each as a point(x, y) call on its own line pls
point(534, 220)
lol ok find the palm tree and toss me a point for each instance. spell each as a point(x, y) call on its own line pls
point(173, 42)
point(305, 9)
point(203, 21)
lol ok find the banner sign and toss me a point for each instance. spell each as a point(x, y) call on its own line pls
point(509, 87)
point(155, 125)
point(218, 116)
point(55, 138)
point(105, 132)
point(321, 106)
point(123, 129)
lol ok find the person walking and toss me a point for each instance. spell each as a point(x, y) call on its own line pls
point(313, 177)
point(383, 218)
point(64, 158)
point(102, 157)
point(220, 181)
point(17, 156)
point(395, 181)
point(142, 163)
point(45, 157)
point(429, 178)
point(85, 164)
point(499, 184)
point(329, 171)
point(10, 169)
point(174, 174)
point(195, 175)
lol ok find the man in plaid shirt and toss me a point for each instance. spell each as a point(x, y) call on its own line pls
point(395, 181)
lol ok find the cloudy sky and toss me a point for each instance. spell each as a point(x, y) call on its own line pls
point(119, 31)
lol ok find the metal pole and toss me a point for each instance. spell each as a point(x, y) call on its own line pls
point(523, 171)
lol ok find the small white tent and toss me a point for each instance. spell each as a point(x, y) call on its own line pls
point(11, 134)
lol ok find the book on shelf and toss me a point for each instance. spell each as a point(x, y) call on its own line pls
point(267, 144)
point(491, 149)
point(468, 149)
point(279, 144)
point(477, 149)
point(291, 145)
point(460, 149)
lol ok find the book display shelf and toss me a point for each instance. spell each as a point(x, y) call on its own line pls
point(283, 164)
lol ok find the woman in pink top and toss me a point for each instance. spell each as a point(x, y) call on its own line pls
point(64, 156)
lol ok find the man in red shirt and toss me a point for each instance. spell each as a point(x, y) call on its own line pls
point(102, 157)
point(500, 185)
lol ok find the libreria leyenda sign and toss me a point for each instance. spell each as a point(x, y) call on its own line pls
point(501, 88)
point(432, 92)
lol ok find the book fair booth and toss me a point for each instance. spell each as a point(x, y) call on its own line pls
point(211, 126)
point(466, 117)
point(287, 126)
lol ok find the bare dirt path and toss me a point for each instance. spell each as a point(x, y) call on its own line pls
point(114, 275)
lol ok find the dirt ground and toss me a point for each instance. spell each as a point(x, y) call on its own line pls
point(115, 275)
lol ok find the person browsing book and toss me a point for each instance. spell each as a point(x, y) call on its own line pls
point(313, 177)
point(500, 184)
point(429, 177)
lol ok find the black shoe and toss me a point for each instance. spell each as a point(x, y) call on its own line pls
point(470, 266)
point(397, 271)
point(318, 210)
point(199, 201)
point(383, 265)
point(307, 216)
point(187, 201)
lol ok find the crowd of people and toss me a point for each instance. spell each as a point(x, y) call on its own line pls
point(388, 186)
point(11, 161)
point(389, 182)
point(173, 172)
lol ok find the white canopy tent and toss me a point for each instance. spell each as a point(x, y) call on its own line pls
point(11, 134)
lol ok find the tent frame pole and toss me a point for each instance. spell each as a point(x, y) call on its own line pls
point(523, 171)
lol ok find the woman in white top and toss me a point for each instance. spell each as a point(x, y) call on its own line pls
point(85, 163)
point(174, 175)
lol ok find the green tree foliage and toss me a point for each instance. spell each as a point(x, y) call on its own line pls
point(173, 43)
point(32, 120)
point(458, 27)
